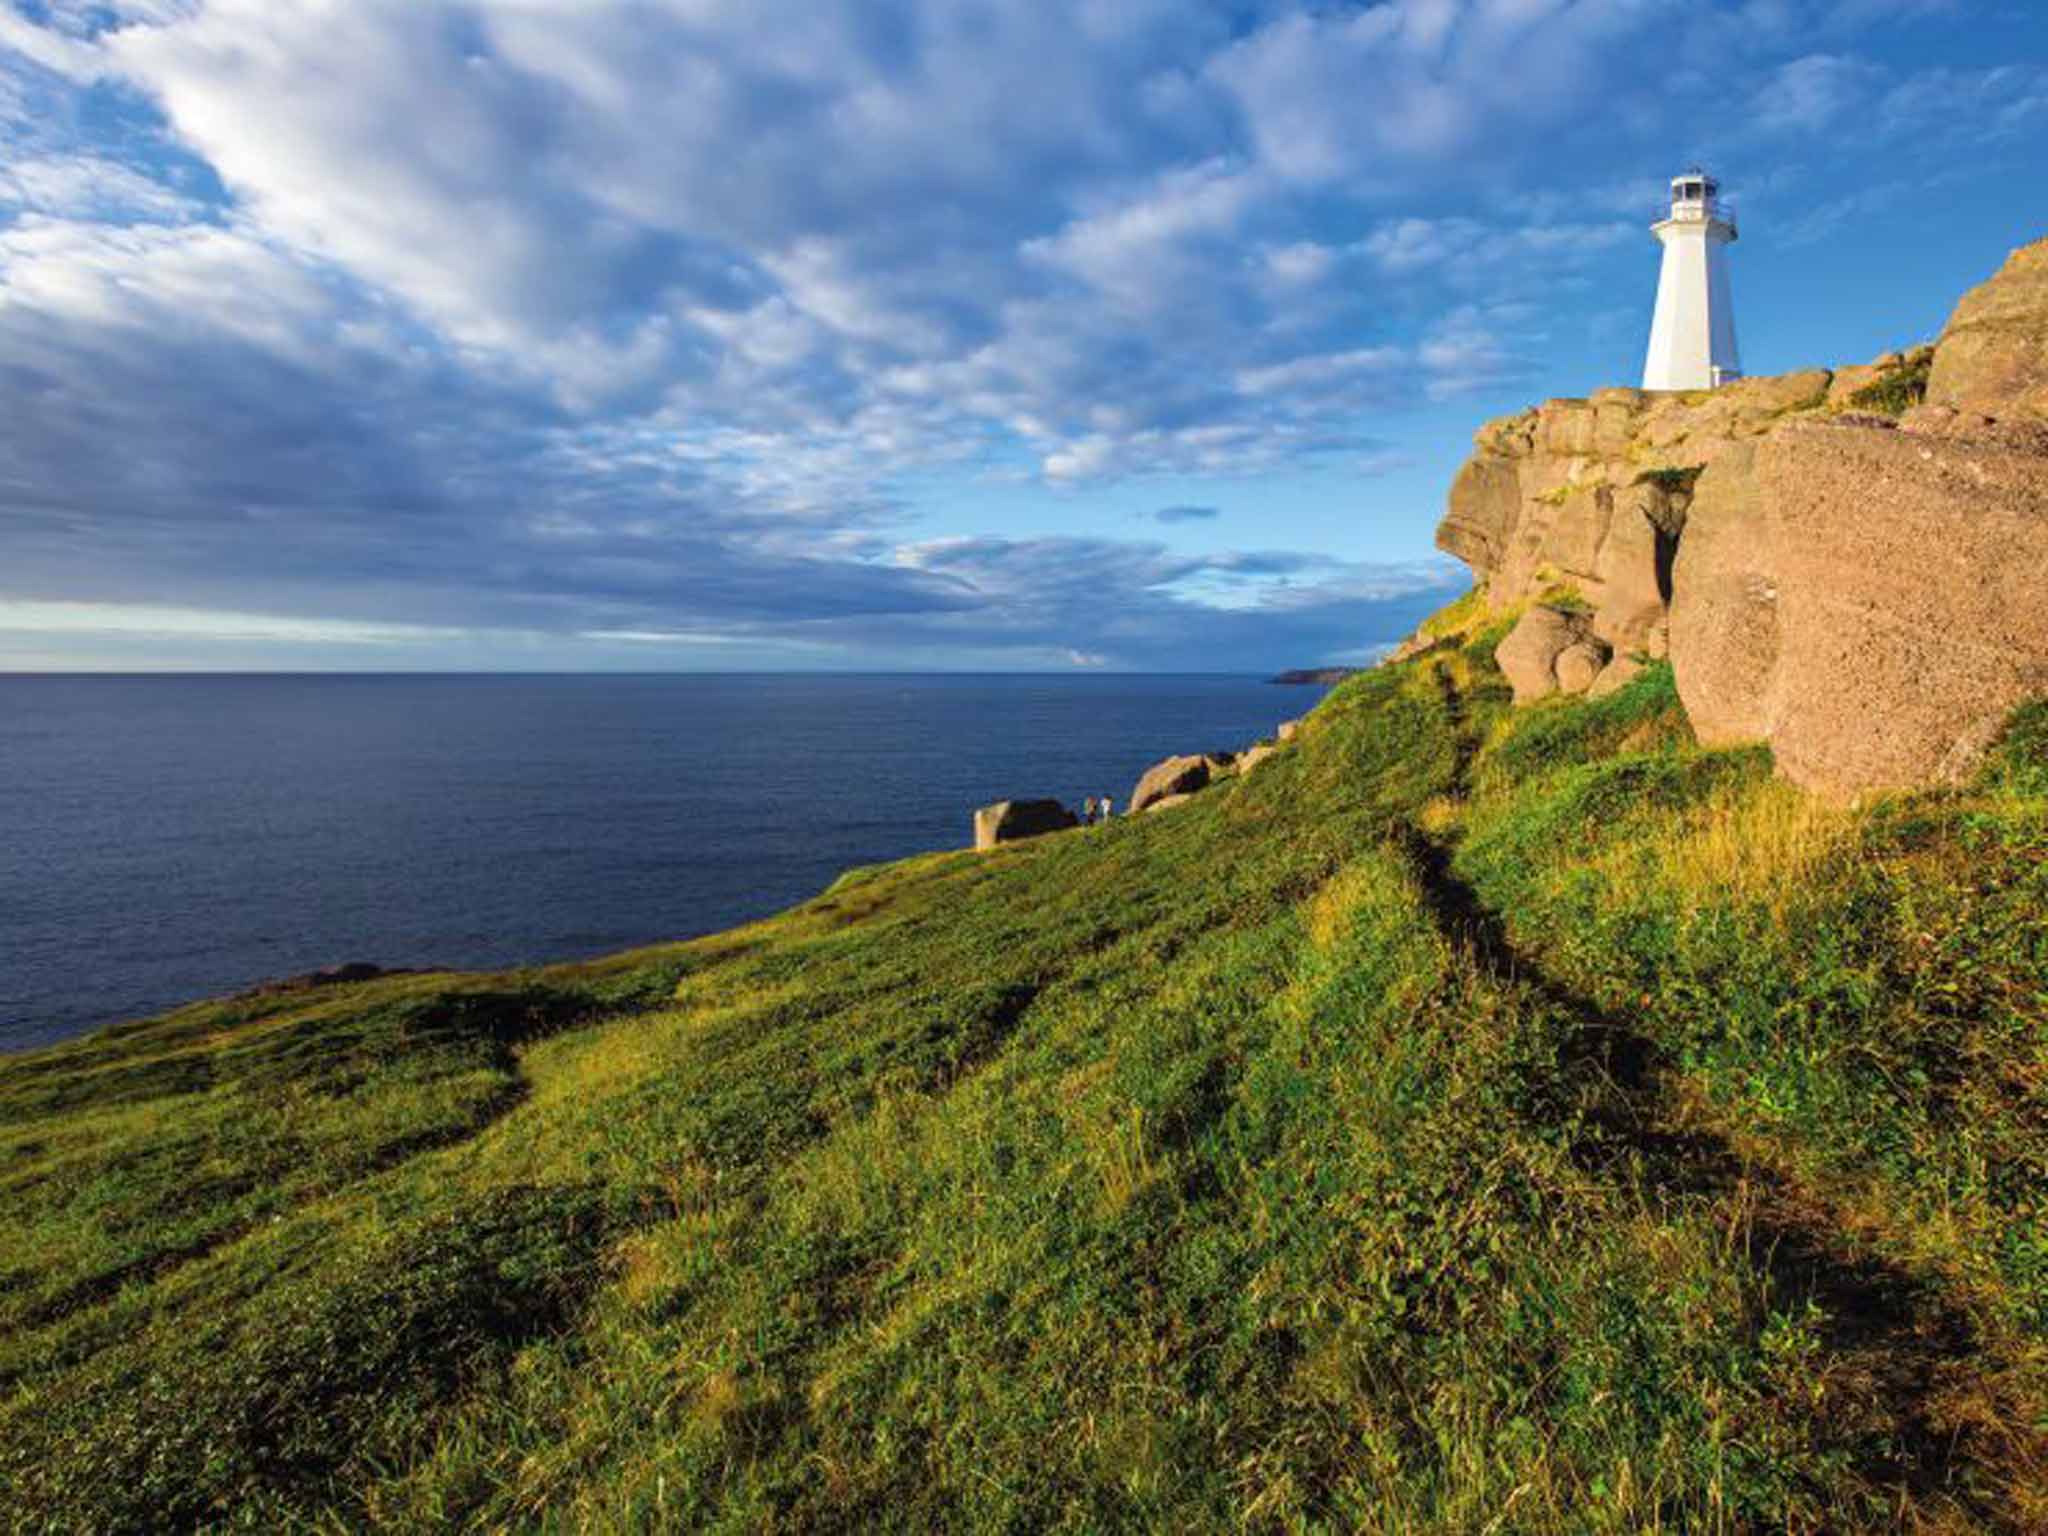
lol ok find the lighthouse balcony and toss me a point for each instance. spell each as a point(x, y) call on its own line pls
point(1716, 210)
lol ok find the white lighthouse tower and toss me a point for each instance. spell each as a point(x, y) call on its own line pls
point(1692, 340)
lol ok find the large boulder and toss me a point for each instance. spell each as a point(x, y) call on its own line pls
point(1867, 601)
point(1913, 622)
point(1009, 821)
point(1579, 664)
point(1548, 646)
point(1993, 358)
point(1175, 776)
point(1254, 755)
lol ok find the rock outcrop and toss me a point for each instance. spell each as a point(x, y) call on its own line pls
point(1010, 821)
point(1583, 503)
point(1254, 755)
point(1178, 776)
point(1853, 578)
point(1553, 650)
point(1991, 359)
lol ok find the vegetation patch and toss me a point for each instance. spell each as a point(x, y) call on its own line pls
point(1644, 717)
point(1673, 482)
point(1900, 388)
point(2019, 765)
point(1565, 598)
point(319, 1361)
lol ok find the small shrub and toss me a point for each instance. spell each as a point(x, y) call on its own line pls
point(1673, 482)
point(1900, 389)
point(1565, 599)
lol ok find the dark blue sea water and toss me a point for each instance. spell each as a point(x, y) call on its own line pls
point(169, 838)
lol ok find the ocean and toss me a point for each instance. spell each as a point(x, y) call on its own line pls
point(164, 839)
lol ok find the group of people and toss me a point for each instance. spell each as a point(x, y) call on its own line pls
point(1095, 809)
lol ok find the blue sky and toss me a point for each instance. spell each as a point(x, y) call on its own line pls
point(1039, 334)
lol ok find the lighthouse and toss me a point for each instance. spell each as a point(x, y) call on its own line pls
point(1692, 340)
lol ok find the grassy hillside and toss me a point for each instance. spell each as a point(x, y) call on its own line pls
point(1472, 1120)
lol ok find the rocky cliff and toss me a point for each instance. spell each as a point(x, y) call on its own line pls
point(1851, 565)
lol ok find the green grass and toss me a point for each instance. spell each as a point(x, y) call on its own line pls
point(1898, 389)
point(1473, 1119)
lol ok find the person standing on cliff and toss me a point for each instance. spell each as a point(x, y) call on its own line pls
point(1088, 812)
point(1104, 808)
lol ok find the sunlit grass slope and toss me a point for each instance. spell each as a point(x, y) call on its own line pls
point(1472, 1120)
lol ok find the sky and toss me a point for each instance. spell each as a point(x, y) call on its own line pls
point(1010, 335)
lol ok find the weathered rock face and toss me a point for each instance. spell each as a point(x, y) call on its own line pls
point(1724, 610)
point(1590, 497)
point(1993, 358)
point(1009, 821)
point(1175, 776)
point(1867, 594)
point(1870, 602)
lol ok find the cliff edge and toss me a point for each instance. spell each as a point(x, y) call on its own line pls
point(1845, 564)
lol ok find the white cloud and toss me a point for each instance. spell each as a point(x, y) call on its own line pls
point(1374, 95)
point(53, 48)
point(879, 223)
point(1809, 94)
point(1323, 373)
point(1143, 251)
point(91, 187)
point(1383, 461)
point(196, 280)
point(665, 637)
point(158, 621)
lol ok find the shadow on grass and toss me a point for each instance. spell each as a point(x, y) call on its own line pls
point(1896, 1343)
